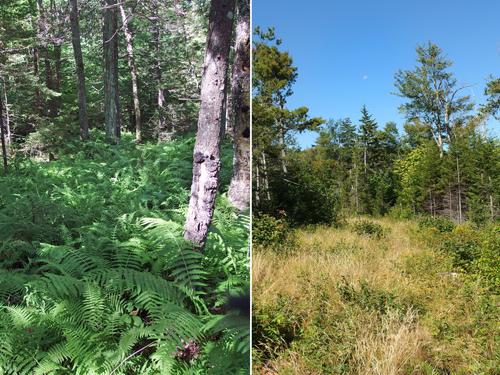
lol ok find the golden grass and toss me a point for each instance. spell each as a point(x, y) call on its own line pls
point(399, 264)
point(326, 255)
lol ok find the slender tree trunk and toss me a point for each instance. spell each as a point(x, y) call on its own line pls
point(111, 97)
point(36, 64)
point(356, 188)
point(80, 72)
point(36, 56)
point(450, 203)
point(49, 103)
point(133, 74)
point(281, 141)
point(8, 135)
point(265, 179)
point(459, 193)
point(57, 79)
point(2, 136)
point(239, 189)
point(257, 185)
point(206, 163)
point(492, 207)
point(365, 158)
point(160, 97)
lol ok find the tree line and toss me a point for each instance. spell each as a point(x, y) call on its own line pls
point(443, 164)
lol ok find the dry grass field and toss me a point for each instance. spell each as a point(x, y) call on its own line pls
point(340, 302)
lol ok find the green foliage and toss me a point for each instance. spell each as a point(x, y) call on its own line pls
point(95, 276)
point(269, 231)
point(371, 299)
point(463, 244)
point(488, 262)
point(274, 327)
point(369, 228)
point(441, 224)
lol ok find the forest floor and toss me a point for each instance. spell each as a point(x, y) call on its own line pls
point(339, 302)
point(95, 277)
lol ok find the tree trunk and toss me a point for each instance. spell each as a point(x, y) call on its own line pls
point(283, 146)
point(37, 102)
point(36, 63)
point(459, 193)
point(49, 109)
point(206, 162)
point(356, 188)
point(57, 79)
point(266, 179)
point(160, 97)
point(133, 74)
point(111, 97)
point(439, 142)
point(450, 203)
point(2, 136)
point(6, 117)
point(257, 184)
point(239, 189)
point(492, 207)
point(365, 158)
point(80, 72)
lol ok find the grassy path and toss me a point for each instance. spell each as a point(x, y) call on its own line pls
point(344, 303)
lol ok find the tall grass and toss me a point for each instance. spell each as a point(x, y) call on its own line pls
point(358, 304)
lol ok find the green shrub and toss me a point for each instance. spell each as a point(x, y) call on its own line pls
point(274, 327)
point(487, 264)
point(369, 228)
point(463, 244)
point(269, 231)
point(443, 225)
point(368, 298)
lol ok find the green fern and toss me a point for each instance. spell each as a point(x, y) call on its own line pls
point(96, 278)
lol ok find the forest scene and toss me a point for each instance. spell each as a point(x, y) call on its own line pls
point(376, 245)
point(124, 187)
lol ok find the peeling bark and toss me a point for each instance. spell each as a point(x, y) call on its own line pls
point(206, 162)
point(239, 189)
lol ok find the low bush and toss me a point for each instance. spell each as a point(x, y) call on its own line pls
point(270, 232)
point(463, 244)
point(443, 225)
point(371, 299)
point(487, 264)
point(369, 228)
point(274, 327)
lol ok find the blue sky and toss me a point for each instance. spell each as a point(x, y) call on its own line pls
point(347, 52)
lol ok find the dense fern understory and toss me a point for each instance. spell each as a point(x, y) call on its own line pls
point(95, 277)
